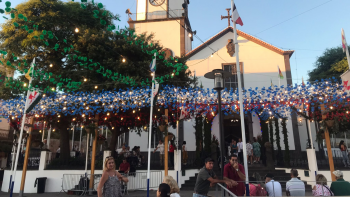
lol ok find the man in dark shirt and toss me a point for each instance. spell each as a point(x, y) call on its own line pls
point(124, 167)
point(233, 171)
point(206, 178)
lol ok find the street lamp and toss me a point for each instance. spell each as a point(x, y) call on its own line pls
point(219, 75)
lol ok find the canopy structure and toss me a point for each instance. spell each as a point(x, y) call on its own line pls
point(266, 102)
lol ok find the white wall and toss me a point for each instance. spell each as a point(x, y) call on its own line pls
point(256, 125)
point(189, 136)
point(303, 134)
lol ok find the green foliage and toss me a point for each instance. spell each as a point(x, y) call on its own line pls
point(271, 136)
point(265, 131)
point(331, 64)
point(286, 145)
point(277, 134)
point(207, 136)
point(55, 22)
point(199, 136)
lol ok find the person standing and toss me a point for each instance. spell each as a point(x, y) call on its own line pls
point(256, 151)
point(249, 148)
point(124, 167)
point(233, 171)
point(234, 147)
point(273, 188)
point(240, 150)
point(161, 152)
point(206, 178)
point(295, 187)
point(321, 188)
point(58, 152)
point(184, 153)
point(171, 153)
point(110, 180)
point(340, 187)
point(344, 152)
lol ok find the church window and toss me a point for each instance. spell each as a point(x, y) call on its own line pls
point(232, 82)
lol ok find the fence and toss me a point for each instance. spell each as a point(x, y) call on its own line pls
point(137, 180)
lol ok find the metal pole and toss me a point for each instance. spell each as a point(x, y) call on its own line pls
point(73, 138)
point(241, 109)
point(19, 144)
point(222, 140)
point(150, 133)
point(42, 137)
point(87, 152)
point(81, 132)
point(13, 156)
point(49, 137)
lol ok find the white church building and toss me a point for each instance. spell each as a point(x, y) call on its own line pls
point(169, 22)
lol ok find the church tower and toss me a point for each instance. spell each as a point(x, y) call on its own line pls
point(167, 20)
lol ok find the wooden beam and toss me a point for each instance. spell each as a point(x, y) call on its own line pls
point(166, 146)
point(26, 156)
point(93, 154)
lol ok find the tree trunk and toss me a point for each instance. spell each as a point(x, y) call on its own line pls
point(64, 139)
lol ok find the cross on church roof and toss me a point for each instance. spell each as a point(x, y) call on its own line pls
point(228, 16)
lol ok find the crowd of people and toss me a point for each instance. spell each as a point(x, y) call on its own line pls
point(253, 150)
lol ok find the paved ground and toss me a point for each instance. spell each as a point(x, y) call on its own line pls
point(131, 194)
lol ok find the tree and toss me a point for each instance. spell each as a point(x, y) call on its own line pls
point(278, 143)
point(199, 138)
point(271, 136)
point(69, 51)
point(332, 63)
point(286, 144)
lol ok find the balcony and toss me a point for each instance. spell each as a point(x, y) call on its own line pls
point(156, 15)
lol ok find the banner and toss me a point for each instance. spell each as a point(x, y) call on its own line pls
point(345, 77)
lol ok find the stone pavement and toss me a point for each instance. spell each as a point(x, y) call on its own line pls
point(131, 194)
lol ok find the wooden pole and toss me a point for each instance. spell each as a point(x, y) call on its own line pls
point(329, 152)
point(94, 144)
point(166, 145)
point(328, 144)
point(26, 156)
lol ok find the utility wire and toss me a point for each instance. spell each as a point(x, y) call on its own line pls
point(293, 17)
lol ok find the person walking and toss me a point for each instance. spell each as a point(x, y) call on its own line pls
point(240, 150)
point(249, 148)
point(174, 188)
point(171, 153)
point(321, 188)
point(110, 180)
point(256, 151)
point(340, 187)
point(234, 172)
point(344, 152)
point(295, 187)
point(206, 178)
point(273, 188)
point(163, 190)
point(184, 153)
point(161, 152)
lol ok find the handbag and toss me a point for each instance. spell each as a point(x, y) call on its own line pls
point(328, 190)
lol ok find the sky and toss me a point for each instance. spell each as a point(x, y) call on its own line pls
point(306, 26)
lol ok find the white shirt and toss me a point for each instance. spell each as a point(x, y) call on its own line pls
point(58, 150)
point(274, 188)
point(174, 195)
point(184, 147)
point(160, 147)
point(240, 146)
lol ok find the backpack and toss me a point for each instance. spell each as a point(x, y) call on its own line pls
point(260, 191)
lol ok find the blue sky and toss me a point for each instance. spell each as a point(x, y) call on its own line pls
point(306, 26)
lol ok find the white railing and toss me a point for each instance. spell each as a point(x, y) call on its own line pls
point(223, 190)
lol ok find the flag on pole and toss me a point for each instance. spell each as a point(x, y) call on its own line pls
point(30, 72)
point(280, 75)
point(236, 18)
point(33, 96)
point(343, 40)
point(152, 66)
point(184, 113)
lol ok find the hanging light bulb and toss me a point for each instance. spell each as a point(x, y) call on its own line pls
point(85, 80)
point(76, 30)
point(96, 87)
point(212, 55)
point(25, 84)
point(124, 60)
point(189, 35)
